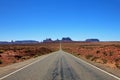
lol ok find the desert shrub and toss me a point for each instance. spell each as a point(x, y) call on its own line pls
point(25, 57)
point(1, 62)
point(111, 53)
point(78, 54)
point(28, 50)
point(117, 59)
point(118, 65)
point(14, 61)
point(89, 56)
point(104, 61)
point(97, 51)
point(104, 53)
point(118, 46)
point(94, 58)
point(35, 56)
point(19, 48)
point(18, 56)
point(1, 51)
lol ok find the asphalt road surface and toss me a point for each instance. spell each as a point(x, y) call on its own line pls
point(59, 66)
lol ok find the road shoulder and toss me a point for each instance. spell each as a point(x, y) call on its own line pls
point(13, 67)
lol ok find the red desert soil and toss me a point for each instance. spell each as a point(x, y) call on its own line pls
point(106, 53)
point(10, 54)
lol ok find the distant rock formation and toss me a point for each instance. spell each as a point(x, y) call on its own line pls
point(66, 39)
point(20, 42)
point(48, 40)
point(4, 42)
point(26, 42)
point(92, 40)
point(57, 40)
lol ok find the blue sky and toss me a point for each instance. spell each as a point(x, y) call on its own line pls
point(78, 19)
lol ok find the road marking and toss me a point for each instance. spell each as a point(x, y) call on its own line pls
point(53, 53)
point(19, 69)
point(24, 67)
point(95, 67)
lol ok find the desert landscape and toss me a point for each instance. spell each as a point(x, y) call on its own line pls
point(106, 53)
point(13, 53)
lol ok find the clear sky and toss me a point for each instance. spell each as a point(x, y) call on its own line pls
point(41, 19)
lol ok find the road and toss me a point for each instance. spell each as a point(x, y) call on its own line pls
point(59, 66)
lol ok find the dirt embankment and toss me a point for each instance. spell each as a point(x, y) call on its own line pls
point(107, 54)
point(10, 54)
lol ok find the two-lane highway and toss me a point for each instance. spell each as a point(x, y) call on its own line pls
point(60, 66)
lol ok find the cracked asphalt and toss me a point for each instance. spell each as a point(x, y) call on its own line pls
point(59, 65)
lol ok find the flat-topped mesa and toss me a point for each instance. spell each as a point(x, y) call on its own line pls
point(66, 39)
point(92, 40)
point(25, 42)
point(48, 40)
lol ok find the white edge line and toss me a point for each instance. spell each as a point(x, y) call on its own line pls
point(97, 68)
point(73, 56)
point(22, 68)
point(19, 69)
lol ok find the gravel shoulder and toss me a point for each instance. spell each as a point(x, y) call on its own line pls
point(10, 68)
point(113, 71)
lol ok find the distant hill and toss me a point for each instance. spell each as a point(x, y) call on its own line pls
point(20, 42)
point(4, 42)
point(25, 42)
point(92, 40)
point(64, 39)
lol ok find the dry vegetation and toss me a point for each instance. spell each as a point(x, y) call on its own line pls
point(107, 53)
point(15, 53)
